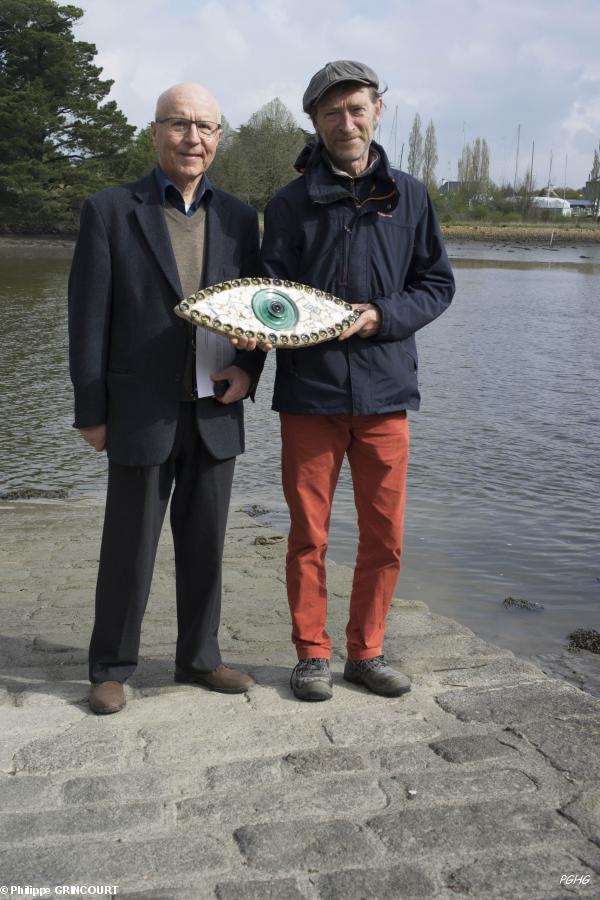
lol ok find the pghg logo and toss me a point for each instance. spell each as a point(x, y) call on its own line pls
point(575, 879)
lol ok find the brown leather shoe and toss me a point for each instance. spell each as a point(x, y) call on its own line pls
point(107, 697)
point(222, 679)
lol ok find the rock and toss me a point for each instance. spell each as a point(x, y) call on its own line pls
point(547, 701)
point(35, 494)
point(397, 881)
point(520, 604)
point(471, 748)
point(253, 510)
point(585, 639)
point(420, 831)
point(304, 845)
point(281, 889)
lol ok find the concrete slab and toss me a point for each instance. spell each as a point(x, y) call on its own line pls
point(482, 782)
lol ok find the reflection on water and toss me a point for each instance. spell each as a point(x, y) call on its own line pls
point(583, 268)
point(504, 474)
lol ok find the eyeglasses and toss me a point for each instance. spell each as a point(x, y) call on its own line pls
point(182, 126)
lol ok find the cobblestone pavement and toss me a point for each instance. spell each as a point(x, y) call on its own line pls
point(483, 782)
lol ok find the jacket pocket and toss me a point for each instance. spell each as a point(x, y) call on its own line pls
point(411, 352)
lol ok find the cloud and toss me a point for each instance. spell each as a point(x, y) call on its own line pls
point(475, 68)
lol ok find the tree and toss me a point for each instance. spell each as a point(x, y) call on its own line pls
point(430, 158)
point(415, 147)
point(592, 188)
point(219, 171)
point(260, 156)
point(139, 157)
point(595, 171)
point(474, 171)
point(484, 169)
point(59, 140)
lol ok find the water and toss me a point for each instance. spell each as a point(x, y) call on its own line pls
point(505, 469)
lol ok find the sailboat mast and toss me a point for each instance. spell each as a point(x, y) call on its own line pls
point(517, 159)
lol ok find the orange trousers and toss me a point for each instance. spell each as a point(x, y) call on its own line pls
point(313, 449)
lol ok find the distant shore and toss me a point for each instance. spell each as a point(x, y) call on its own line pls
point(546, 233)
point(525, 234)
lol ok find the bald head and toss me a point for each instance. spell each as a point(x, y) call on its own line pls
point(180, 98)
point(185, 153)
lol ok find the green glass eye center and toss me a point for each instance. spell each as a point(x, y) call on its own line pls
point(275, 309)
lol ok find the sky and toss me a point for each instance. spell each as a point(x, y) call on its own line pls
point(475, 68)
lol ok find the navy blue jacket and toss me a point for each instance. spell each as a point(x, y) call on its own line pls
point(387, 250)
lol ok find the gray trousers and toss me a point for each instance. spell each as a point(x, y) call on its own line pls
point(136, 503)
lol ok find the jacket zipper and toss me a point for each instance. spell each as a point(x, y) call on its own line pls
point(347, 237)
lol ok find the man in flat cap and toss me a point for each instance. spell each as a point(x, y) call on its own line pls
point(367, 233)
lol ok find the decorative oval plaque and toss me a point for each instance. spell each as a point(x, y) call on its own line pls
point(284, 313)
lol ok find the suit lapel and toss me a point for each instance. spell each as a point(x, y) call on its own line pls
point(216, 220)
point(151, 217)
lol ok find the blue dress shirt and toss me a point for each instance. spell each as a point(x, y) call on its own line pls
point(169, 192)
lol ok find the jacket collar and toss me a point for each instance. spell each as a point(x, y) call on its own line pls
point(150, 215)
point(324, 186)
point(149, 212)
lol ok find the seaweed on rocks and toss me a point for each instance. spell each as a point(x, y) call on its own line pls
point(585, 639)
point(35, 494)
point(521, 604)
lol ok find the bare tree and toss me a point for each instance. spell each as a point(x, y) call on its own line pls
point(474, 171)
point(525, 189)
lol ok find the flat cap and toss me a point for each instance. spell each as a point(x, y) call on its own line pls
point(334, 73)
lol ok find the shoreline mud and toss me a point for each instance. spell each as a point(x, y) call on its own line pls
point(483, 232)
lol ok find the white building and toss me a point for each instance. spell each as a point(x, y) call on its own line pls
point(557, 204)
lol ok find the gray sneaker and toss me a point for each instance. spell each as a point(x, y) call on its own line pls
point(377, 675)
point(311, 680)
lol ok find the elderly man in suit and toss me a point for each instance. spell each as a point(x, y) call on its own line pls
point(143, 383)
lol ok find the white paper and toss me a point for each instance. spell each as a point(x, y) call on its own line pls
point(213, 353)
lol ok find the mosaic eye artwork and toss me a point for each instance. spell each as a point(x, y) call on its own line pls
point(284, 313)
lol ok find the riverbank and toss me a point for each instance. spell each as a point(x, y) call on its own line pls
point(555, 234)
point(483, 782)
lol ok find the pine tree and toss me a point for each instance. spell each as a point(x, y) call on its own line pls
point(59, 139)
point(139, 157)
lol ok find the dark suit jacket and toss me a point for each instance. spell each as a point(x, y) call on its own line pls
point(127, 347)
